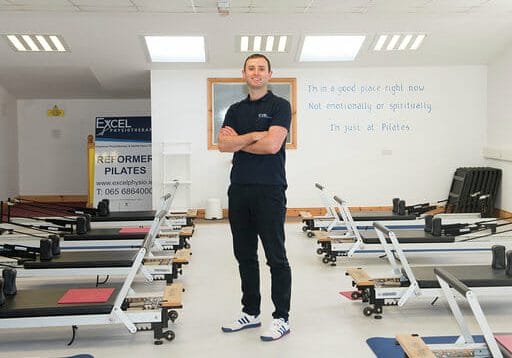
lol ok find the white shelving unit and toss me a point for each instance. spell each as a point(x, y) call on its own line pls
point(176, 163)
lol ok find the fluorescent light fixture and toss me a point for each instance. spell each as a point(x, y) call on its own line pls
point(256, 46)
point(331, 48)
point(282, 43)
point(176, 48)
point(380, 42)
point(37, 43)
point(270, 44)
point(244, 43)
point(392, 42)
point(405, 42)
point(44, 43)
point(265, 43)
point(417, 42)
point(58, 45)
point(402, 40)
point(16, 43)
point(31, 44)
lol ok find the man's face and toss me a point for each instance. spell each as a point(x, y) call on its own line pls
point(256, 73)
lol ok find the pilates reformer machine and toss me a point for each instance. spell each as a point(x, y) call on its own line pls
point(495, 345)
point(174, 219)
point(100, 217)
point(48, 260)
point(401, 216)
point(168, 237)
point(408, 282)
point(440, 233)
point(56, 306)
point(332, 220)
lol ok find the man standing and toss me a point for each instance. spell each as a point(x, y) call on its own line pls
point(255, 130)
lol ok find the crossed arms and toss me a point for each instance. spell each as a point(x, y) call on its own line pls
point(266, 142)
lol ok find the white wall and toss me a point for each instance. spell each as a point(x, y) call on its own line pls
point(8, 146)
point(52, 150)
point(366, 168)
point(499, 123)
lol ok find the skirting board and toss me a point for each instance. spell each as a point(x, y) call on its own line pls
point(56, 198)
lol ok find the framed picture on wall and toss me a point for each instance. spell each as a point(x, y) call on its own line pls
point(223, 92)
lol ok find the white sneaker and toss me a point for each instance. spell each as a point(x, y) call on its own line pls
point(244, 321)
point(278, 328)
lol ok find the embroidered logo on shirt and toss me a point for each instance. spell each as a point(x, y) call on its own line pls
point(263, 115)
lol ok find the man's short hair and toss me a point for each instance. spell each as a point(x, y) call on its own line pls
point(258, 55)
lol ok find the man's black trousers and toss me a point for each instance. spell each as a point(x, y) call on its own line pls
point(260, 210)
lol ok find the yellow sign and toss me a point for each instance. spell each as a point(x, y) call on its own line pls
point(55, 112)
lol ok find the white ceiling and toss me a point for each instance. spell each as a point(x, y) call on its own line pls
point(108, 57)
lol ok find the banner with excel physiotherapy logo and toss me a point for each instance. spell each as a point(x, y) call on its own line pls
point(122, 170)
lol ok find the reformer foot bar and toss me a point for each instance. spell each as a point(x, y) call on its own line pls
point(435, 235)
point(407, 282)
point(495, 344)
point(40, 308)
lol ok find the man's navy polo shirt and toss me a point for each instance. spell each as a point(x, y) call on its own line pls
point(254, 116)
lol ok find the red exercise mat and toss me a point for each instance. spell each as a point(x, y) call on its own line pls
point(348, 294)
point(86, 295)
point(505, 340)
point(134, 230)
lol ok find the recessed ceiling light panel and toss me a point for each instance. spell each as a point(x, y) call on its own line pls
point(380, 42)
point(36, 43)
point(405, 41)
point(256, 46)
point(263, 43)
point(176, 48)
point(331, 47)
point(392, 43)
point(417, 42)
point(283, 40)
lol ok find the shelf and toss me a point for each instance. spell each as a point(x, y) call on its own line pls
point(184, 182)
point(176, 157)
point(176, 153)
point(177, 148)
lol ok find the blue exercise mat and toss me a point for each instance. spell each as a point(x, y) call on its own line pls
point(388, 348)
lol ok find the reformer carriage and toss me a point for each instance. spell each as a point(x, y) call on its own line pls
point(439, 233)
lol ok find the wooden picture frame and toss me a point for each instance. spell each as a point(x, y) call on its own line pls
point(223, 92)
